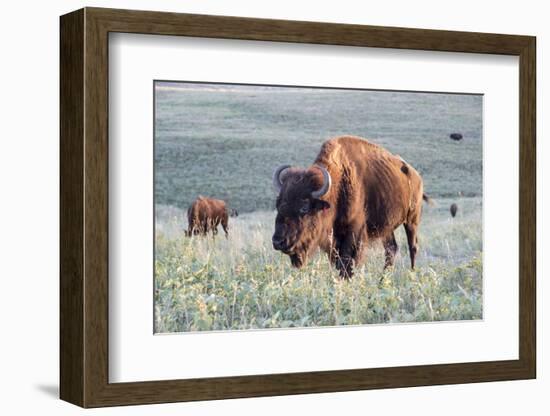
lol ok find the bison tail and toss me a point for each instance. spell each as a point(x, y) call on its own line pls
point(429, 200)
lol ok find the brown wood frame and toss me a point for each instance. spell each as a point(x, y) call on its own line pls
point(84, 207)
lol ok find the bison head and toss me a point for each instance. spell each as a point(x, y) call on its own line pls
point(298, 225)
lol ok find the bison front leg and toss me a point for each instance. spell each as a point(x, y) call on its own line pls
point(390, 250)
point(348, 249)
point(345, 264)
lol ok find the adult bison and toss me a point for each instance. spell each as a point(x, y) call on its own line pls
point(205, 214)
point(354, 191)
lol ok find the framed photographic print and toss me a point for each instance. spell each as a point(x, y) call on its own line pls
point(255, 207)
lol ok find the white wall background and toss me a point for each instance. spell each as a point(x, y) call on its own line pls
point(29, 159)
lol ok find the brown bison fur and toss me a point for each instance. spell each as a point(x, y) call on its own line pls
point(372, 192)
point(205, 214)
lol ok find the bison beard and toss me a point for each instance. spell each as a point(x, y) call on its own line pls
point(353, 192)
point(296, 260)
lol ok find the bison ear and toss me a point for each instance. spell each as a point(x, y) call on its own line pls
point(320, 205)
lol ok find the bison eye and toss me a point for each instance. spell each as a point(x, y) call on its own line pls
point(304, 209)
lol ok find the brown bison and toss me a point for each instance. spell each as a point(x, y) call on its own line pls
point(205, 214)
point(354, 191)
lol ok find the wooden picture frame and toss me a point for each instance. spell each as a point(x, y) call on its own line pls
point(84, 207)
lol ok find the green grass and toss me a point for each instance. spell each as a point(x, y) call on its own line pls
point(240, 283)
point(225, 141)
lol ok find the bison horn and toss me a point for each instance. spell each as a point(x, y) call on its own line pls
point(327, 181)
point(277, 184)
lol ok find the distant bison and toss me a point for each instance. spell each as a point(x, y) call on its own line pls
point(453, 209)
point(354, 191)
point(205, 214)
point(456, 136)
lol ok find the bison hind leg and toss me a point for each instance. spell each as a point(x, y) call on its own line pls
point(390, 250)
point(225, 226)
point(412, 240)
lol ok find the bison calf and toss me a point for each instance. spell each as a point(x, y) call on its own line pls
point(354, 191)
point(205, 214)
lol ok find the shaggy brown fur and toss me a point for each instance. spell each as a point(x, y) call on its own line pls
point(205, 214)
point(373, 192)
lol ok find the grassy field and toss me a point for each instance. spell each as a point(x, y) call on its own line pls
point(224, 141)
point(242, 283)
